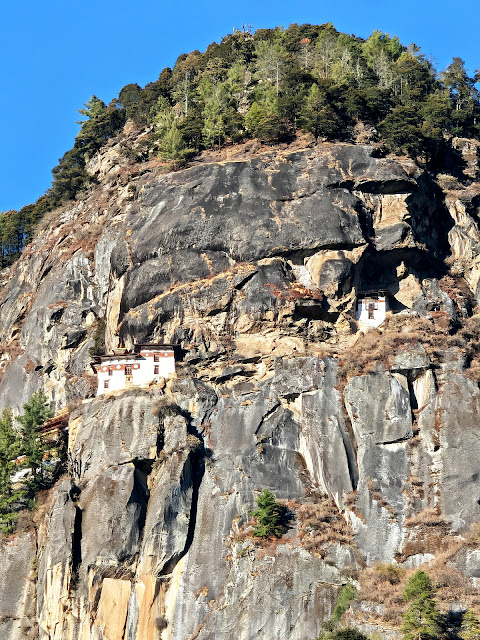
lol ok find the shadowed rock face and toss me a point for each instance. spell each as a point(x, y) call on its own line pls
point(251, 268)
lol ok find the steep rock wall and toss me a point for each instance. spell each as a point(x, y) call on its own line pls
point(251, 268)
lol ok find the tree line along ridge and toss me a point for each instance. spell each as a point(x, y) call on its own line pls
point(269, 85)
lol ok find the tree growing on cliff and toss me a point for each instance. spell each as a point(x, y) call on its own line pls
point(470, 629)
point(10, 447)
point(422, 620)
point(35, 412)
point(271, 517)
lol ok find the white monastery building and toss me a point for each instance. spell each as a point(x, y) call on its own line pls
point(138, 368)
point(372, 307)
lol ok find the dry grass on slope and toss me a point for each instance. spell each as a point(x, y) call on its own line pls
point(382, 586)
point(379, 347)
point(320, 524)
point(436, 334)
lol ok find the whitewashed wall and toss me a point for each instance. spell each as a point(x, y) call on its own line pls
point(378, 314)
point(143, 370)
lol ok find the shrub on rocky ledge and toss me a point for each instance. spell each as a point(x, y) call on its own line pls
point(271, 516)
point(346, 595)
point(345, 633)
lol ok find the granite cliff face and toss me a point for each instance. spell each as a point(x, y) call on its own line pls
point(250, 266)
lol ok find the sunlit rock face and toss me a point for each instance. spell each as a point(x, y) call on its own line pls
point(253, 269)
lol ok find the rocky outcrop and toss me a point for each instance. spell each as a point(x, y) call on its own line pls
point(251, 268)
point(17, 601)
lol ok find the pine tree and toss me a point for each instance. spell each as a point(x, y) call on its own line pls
point(317, 115)
point(263, 119)
point(93, 108)
point(69, 177)
point(270, 516)
point(422, 620)
point(470, 629)
point(418, 584)
point(326, 52)
point(402, 130)
point(9, 449)
point(35, 412)
point(216, 100)
point(173, 146)
point(271, 63)
point(129, 98)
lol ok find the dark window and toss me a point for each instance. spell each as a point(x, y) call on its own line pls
point(156, 369)
point(371, 311)
point(128, 369)
point(156, 357)
point(105, 384)
point(110, 371)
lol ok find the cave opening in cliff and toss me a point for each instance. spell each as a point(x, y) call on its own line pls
point(390, 271)
point(140, 492)
point(77, 543)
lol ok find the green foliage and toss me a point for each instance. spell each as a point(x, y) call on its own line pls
point(219, 113)
point(25, 446)
point(35, 412)
point(12, 234)
point(271, 63)
point(96, 131)
point(346, 633)
point(346, 595)
point(172, 144)
point(93, 108)
point(381, 46)
point(129, 99)
point(264, 121)
point(415, 78)
point(318, 116)
point(422, 620)
point(270, 516)
point(402, 130)
point(69, 177)
point(419, 584)
point(470, 629)
point(9, 450)
point(464, 97)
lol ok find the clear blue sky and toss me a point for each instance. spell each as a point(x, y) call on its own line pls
point(55, 54)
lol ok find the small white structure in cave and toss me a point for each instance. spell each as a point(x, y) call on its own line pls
point(123, 369)
point(372, 307)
